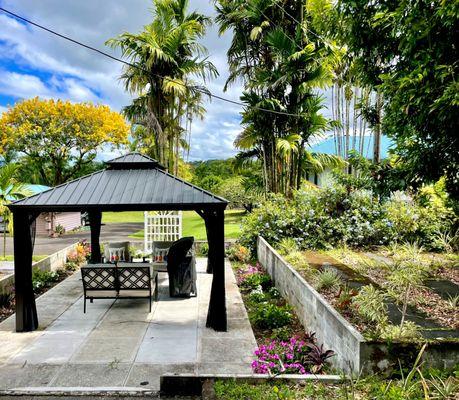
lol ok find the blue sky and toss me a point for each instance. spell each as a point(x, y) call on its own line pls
point(35, 63)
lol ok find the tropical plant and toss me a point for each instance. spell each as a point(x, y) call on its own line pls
point(281, 61)
point(391, 43)
point(406, 275)
point(370, 303)
point(270, 316)
point(326, 279)
point(59, 138)
point(163, 59)
point(10, 189)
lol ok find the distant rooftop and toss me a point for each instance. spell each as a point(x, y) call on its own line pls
point(327, 146)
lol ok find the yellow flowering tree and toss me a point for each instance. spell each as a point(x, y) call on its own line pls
point(59, 137)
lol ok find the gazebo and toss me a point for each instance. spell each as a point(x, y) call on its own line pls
point(133, 182)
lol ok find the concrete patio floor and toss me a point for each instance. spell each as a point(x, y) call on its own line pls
point(119, 343)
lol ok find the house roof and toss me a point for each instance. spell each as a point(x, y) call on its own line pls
point(130, 182)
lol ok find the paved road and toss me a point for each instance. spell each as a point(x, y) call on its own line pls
point(109, 233)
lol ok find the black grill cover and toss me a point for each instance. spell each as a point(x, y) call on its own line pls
point(180, 268)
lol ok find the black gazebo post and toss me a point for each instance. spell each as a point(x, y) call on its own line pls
point(26, 310)
point(215, 227)
point(95, 221)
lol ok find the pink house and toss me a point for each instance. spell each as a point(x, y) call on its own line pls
point(46, 223)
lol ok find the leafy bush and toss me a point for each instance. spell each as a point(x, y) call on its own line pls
point(271, 316)
point(408, 330)
point(326, 279)
point(370, 304)
point(297, 259)
point(43, 279)
point(239, 253)
point(257, 295)
point(287, 246)
point(6, 297)
point(327, 217)
point(203, 250)
point(253, 281)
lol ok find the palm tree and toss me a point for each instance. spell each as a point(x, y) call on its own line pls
point(281, 64)
point(10, 190)
point(164, 57)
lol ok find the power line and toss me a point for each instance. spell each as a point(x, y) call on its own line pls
point(298, 22)
point(103, 53)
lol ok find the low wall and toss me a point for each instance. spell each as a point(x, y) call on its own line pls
point(53, 262)
point(313, 310)
point(353, 353)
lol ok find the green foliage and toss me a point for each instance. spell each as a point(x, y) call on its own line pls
point(333, 216)
point(253, 281)
point(237, 252)
point(326, 280)
point(403, 50)
point(233, 190)
point(169, 54)
point(270, 316)
point(287, 246)
point(409, 330)
point(370, 304)
point(298, 260)
point(273, 59)
point(43, 279)
point(211, 183)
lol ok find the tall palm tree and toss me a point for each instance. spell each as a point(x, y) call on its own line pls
point(281, 64)
point(10, 189)
point(164, 57)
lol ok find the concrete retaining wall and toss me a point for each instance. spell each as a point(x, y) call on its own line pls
point(53, 262)
point(353, 353)
point(314, 312)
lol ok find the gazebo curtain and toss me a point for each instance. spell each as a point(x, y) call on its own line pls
point(24, 241)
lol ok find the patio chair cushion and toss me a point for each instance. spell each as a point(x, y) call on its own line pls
point(117, 248)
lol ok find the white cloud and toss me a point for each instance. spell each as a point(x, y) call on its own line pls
point(52, 67)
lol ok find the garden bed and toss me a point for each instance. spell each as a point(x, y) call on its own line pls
point(284, 345)
point(430, 299)
point(352, 315)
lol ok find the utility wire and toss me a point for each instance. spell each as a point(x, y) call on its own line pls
point(298, 22)
point(103, 53)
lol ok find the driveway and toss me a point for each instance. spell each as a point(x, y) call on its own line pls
point(109, 233)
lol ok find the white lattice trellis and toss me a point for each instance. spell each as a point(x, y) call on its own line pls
point(162, 226)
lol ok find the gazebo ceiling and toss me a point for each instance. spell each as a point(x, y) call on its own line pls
point(130, 182)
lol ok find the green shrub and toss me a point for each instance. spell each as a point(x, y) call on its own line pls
point(370, 304)
point(332, 216)
point(203, 250)
point(297, 259)
point(271, 316)
point(283, 333)
point(239, 253)
point(255, 280)
point(257, 295)
point(326, 279)
point(409, 330)
point(43, 279)
point(287, 246)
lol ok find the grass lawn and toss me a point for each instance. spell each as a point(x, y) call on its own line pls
point(193, 224)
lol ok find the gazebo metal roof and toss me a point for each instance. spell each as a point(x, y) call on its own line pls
point(132, 181)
